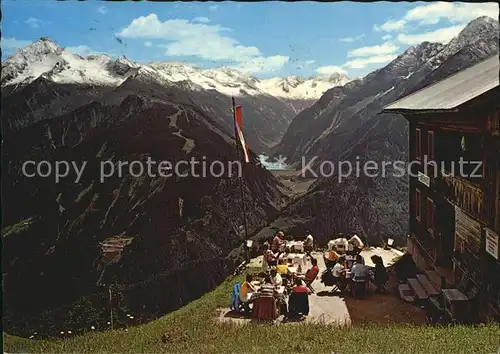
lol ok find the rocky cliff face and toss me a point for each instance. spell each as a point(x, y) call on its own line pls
point(344, 125)
point(65, 240)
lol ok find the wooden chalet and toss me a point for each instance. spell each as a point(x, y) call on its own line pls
point(454, 223)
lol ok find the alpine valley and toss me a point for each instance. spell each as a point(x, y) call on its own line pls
point(146, 238)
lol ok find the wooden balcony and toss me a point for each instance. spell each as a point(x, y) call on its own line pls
point(463, 194)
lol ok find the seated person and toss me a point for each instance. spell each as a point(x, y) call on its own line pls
point(331, 258)
point(311, 273)
point(356, 243)
point(278, 240)
point(269, 256)
point(308, 243)
point(359, 269)
point(282, 269)
point(286, 284)
point(339, 271)
point(276, 277)
point(267, 289)
point(299, 287)
point(298, 303)
point(265, 305)
point(246, 289)
point(380, 274)
point(284, 256)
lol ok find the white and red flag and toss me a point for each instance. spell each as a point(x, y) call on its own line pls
point(239, 133)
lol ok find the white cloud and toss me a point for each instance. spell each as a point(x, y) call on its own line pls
point(330, 69)
point(361, 63)
point(351, 39)
point(262, 64)
point(33, 22)
point(390, 25)
point(201, 19)
point(202, 40)
point(454, 12)
point(309, 62)
point(102, 10)
point(442, 35)
point(387, 37)
point(11, 44)
point(213, 7)
point(148, 44)
point(431, 14)
point(381, 49)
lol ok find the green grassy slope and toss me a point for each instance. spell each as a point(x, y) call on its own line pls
point(193, 329)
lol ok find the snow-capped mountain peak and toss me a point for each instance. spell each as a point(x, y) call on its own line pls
point(46, 58)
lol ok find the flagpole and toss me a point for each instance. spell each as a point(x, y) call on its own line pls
point(240, 177)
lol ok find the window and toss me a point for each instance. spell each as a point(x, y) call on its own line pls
point(430, 145)
point(494, 123)
point(418, 209)
point(430, 216)
point(431, 160)
point(418, 144)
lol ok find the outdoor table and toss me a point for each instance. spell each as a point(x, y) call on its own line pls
point(280, 291)
point(297, 245)
point(297, 258)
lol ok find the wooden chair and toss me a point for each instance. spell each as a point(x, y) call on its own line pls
point(309, 278)
point(360, 283)
point(339, 284)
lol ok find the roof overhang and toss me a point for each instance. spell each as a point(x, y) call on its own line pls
point(493, 95)
point(464, 88)
point(419, 111)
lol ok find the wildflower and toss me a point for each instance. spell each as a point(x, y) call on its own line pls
point(69, 332)
point(92, 327)
point(109, 322)
point(31, 337)
point(126, 330)
point(62, 332)
point(131, 317)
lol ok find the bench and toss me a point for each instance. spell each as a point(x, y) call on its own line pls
point(437, 304)
point(434, 278)
point(456, 305)
point(417, 289)
point(427, 285)
point(405, 293)
point(435, 311)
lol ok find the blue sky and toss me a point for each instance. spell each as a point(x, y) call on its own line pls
point(264, 39)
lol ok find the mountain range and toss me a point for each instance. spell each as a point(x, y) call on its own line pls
point(269, 105)
point(150, 237)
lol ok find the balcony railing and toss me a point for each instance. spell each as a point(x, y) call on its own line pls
point(462, 193)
